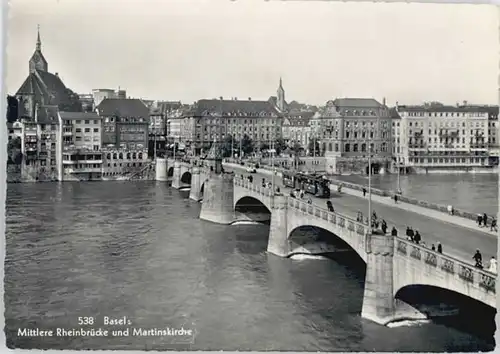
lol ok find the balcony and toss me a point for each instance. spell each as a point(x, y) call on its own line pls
point(30, 132)
point(479, 146)
point(68, 133)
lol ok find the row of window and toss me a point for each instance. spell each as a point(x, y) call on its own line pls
point(86, 121)
point(462, 160)
point(128, 164)
point(443, 114)
point(87, 130)
point(120, 155)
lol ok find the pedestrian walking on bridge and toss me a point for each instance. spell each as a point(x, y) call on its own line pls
point(417, 238)
point(364, 192)
point(493, 225)
point(479, 219)
point(479, 259)
point(394, 232)
point(485, 219)
point(440, 248)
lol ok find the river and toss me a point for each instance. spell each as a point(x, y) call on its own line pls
point(138, 249)
point(470, 192)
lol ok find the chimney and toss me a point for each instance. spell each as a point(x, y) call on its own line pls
point(236, 98)
point(383, 101)
point(221, 98)
point(397, 104)
point(249, 98)
point(57, 74)
point(465, 103)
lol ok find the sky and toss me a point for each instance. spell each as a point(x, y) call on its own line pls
point(193, 49)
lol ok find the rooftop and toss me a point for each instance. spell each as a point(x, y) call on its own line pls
point(79, 115)
point(123, 107)
point(234, 108)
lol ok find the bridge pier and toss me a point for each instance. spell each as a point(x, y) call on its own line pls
point(196, 182)
point(378, 300)
point(176, 178)
point(161, 169)
point(278, 231)
point(218, 205)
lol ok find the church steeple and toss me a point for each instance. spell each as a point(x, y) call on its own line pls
point(280, 102)
point(37, 61)
point(38, 41)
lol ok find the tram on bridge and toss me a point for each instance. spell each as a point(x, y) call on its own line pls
point(314, 184)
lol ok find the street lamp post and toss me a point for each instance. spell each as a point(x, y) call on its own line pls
point(370, 186)
point(399, 176)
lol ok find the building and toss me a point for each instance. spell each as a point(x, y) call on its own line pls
point(81, 130)
point(87, 101)
point(436, 137)
point(81, 146)
point(493, 136)
point(159, 125)
point(216, 119)
point(348, 129)
point(101, 94)
point(122, 162)
point(296, 128)
point(43, 88)
point(39, 145)
point(39, 99)
point(125, 123)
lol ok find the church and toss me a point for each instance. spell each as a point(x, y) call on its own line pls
point(42, 88)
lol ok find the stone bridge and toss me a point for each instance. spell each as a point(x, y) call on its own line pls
point(392, 263)
point(184, 173)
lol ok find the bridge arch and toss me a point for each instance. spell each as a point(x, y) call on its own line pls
point(186, 177)
point(450, 307)
point(318, 239)
point(170, 172)
point(252, 209)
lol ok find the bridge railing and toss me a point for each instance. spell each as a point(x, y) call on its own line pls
point(253, 187)
point(316, 211)
point(445, 263)
point(332, 217)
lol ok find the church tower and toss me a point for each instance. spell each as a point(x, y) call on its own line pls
point(37, 61)
point(281, 97)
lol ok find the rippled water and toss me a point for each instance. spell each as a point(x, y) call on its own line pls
point(138, 249)
point(471, 192)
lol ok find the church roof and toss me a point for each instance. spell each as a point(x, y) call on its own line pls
point(234, 108)
point(47, 89)
point(123, 107)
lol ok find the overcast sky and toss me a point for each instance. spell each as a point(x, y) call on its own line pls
point(192, 49)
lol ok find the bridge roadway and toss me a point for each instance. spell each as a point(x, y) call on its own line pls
point(457, 241)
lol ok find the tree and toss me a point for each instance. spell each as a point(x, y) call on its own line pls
point(279, 145)
point(227, 145)
point(14, 151)
point(313, 147)
point(264, 146)
point(296, 147)
point(247, 144)
point(12, 109)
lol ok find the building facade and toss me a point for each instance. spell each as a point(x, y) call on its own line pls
point(81, 137)
point(435, 137)
point(211, 120)
point(125, 123)
point(349, 131)
point(296, 128)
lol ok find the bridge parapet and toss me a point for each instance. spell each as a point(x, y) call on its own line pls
point(334, 218)
point(444, 271)
point(265, 191)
